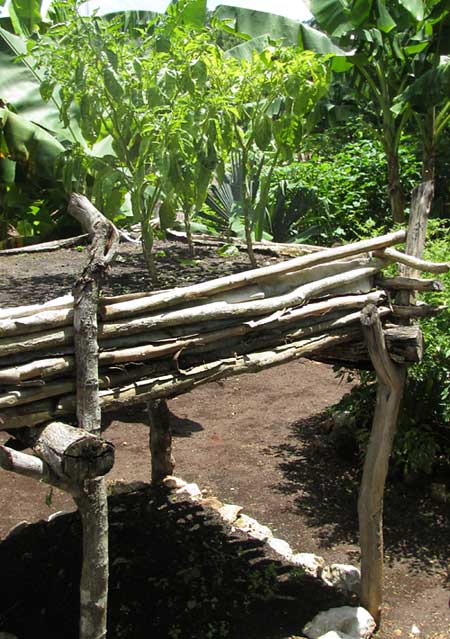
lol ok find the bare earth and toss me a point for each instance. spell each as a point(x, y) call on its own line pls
point(259, 441)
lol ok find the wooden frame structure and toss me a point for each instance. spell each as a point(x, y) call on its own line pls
point(59, 361)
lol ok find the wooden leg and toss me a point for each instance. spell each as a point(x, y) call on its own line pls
point(163, 462)
point(391, 381)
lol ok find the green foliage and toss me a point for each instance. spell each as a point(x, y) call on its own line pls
point(422, 442)
point(397, 53)
point(338, 192)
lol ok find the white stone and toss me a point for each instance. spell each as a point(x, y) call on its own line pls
point(310, 563)
point(230, 512)
point(280, 546)
point(173, 482)
point(253, 528)
point(58, 513)
point(356, 622)
point(343, 576)
point(333, 634)
point(17, 528)
point(190, 489)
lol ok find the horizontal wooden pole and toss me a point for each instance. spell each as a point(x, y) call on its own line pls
point(409, 284)
point(176, 296)
point(414, 262)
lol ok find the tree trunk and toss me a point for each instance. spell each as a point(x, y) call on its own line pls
point(92, 502)
point(396, 196)
point(246, 211)
point(163, 462)
point(187, 225)
point(93, 507)
point(391, 380)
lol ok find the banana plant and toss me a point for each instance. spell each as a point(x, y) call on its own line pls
point(31, 166)
point(396, 44)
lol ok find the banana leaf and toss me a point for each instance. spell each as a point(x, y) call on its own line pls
point(291, 32)
point(19, 87)
point(29, 145)
point(428, 90)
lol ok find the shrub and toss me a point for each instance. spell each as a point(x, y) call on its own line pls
point(338, 193)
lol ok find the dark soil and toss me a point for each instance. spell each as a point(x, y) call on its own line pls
point(260, 441)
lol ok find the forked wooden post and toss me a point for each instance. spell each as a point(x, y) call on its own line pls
point(92, 500)
point(160, 440)
point(391, 379)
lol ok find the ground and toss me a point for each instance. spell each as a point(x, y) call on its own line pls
point(260, 441)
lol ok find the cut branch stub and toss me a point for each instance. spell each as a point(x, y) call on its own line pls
point(73, 453)
point(405, 344)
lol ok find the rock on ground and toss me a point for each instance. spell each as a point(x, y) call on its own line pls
point(356, 622)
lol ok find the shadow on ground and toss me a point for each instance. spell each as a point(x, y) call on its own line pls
point(176, 571)
point(324, 484)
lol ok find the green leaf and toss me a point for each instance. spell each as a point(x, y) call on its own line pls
point(313, 40)
point(20, 86)
point(263, 132)
point(193, 13)
point(412, 49)
point(330, 14)
point(385, 21)
point(29, 145)
point(167, 214)
point(245, 50)
point(415, 8)
point(49, 497)
point(25, 16)
point(290, 32)
point(7, 171)
point(428, 90)
point(112, 84)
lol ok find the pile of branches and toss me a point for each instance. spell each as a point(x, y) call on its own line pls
point(161, 344)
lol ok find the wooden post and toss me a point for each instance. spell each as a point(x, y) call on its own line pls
point(92, 501)
point(160, 439)
point(391, 380)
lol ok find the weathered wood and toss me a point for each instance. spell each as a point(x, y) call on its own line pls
point(54, 245)
point(37, 369)
point(105, 239)
point(401, 283)
point(391, 380)
point(223, 310)
point(160, 440)
point(44, 320)
point(168, 379)
point(33, 467)
point(93, 508)
point(92, 501)
point(421, 309)
point(421, 200)
point(21, 396)
point(414, 263)
point(50, 319)
point(172, 384)
point(17, 347)
point(175, 296)
point(14, 344)
point(270, 248)
point(66, 301)
point(405, 344)
point(72, 453)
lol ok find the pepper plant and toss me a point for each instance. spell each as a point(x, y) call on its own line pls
point(152, 96)
point(274, 98)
